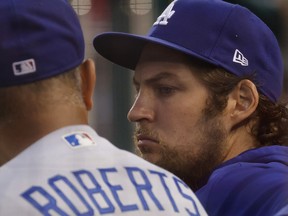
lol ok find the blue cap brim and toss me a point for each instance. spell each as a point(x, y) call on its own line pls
point(125, 49)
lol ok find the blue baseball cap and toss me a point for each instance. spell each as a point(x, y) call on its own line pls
point(223, 34)
point(38, 39)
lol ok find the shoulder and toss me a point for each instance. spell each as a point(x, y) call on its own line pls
point(246, 178)
point(283, 211)
point(248, 184)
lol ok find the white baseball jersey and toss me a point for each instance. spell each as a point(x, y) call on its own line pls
point(73, 171)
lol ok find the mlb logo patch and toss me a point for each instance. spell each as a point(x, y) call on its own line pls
point(24, 67)
point(78, 139)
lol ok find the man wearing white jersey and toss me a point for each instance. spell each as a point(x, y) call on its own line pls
point(52, 162)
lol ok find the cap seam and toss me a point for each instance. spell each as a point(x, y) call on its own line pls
point(18, 25)
point(220, 33)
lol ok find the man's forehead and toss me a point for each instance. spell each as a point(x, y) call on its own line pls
point(154, 77)
point(155, 52)
point(153, 73)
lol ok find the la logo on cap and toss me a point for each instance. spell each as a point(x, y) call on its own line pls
point(24, 67)
point(167, 14)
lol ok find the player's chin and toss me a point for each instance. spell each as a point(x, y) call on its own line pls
point(152, 158)
point(150, 154)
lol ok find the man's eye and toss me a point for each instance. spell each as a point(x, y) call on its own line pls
point(164, 90)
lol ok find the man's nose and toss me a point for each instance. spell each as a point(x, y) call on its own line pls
point(142, 108)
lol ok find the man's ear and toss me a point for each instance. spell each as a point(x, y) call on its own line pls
point(88, 76)
point(243, 101)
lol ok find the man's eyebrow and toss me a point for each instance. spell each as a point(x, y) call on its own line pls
point(156, 78)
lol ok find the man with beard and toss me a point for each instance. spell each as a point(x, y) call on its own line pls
point(51, 161)
point(208, 77)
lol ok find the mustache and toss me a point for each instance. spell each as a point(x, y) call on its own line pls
point(145, 132)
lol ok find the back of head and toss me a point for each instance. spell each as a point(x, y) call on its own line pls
point(41, 47)
point(39, 39)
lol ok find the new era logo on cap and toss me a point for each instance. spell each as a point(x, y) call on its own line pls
point(240, 58)
point(24, 67)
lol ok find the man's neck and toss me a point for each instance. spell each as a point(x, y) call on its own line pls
point(239, 142)
point(18, 134)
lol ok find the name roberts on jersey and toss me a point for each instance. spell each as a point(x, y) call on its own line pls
point(101, 192)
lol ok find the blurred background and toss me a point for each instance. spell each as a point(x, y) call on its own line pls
point(114, 91)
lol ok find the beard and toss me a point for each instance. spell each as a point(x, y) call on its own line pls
point(193, 166)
